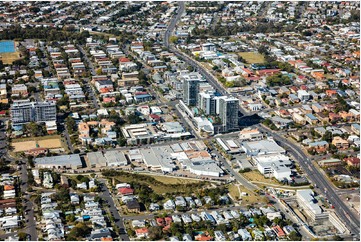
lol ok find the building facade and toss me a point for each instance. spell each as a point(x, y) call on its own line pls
point(228, 113)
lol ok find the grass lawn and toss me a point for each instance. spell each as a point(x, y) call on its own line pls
point(329, 76)
point(258, 177)
point(173, 180)
point(251, 197)
point(233, 191)
point(252, 57)
point(101, 33)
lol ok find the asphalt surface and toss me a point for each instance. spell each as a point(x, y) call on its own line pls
point(67, 139)
point(89, 88)
point(105, 195)
point(234, 174)
point(343, 211)
point(28, 205)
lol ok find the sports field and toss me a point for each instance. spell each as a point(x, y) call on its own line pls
point(8, 53)
point(21, 145)
point(9, 58)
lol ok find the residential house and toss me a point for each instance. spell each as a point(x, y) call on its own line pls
point(142, 232)
point(329, 162)
point(203, 237)
point(352, 161)
point(133, 206)
point(311, 119)
point(319, 146)
point(340, 143)
point(331, 93)
point(246, 236)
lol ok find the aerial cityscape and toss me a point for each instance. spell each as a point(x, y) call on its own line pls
point(180, 121)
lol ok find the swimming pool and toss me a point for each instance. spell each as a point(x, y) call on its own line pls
point(7, 46)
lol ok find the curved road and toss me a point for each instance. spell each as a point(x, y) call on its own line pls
point(343, 211)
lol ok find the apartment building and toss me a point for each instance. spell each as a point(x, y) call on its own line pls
point(24, 111)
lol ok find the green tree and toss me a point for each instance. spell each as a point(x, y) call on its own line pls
point(22, 236)
point(80, 230)
point(173, 39)
point(327, 136)
point(70, 218)
point(155, 233)
point(70, 124)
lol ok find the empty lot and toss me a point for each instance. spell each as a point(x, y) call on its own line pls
point(252, 57)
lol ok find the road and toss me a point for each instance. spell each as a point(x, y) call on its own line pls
point(344, 212)
point(28, 205)
point(105, 195)
point(210, 78)
point(67, 138)
point(316, 177)
point(89, 89)
point(236, 175)
point(30, 223)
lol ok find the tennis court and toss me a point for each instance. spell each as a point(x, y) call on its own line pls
point(7, 47)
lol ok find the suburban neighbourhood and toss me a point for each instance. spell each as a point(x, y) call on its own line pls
point(180, 121)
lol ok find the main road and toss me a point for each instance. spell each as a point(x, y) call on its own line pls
point(210, 78)
point(343, 211)
point(315, 175)
point(28, 205)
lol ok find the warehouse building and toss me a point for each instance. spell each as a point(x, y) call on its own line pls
point(59, 162)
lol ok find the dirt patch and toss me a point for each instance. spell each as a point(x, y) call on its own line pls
point(9, 58)
point(258, 177)
point(171, 180)
point(24, 146)
point(50, 143)
point(38, 142)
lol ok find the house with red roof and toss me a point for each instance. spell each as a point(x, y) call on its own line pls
point(125, 191)
point(203, 237)
point(303, 87)
point(331, 93)
point(334, 117)
point(293, 89)
point(279, 232)
point(267, 72)
point(109, 100)
point(142, 232)
point(168, 220)
point(284, 113)
point(352, 161)
point(154, 117)
point(160, 222)
point(124, 60)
